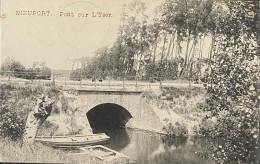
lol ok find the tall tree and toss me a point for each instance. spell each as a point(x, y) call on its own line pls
point(232, 82)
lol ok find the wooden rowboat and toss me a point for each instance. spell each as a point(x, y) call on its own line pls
point(73, 141)
point(103, 154)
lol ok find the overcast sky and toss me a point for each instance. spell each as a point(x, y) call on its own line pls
point(56, 39)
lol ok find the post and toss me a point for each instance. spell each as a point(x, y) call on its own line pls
point(190, 75)
point(95, 82)
point(123, 82)
point(53, 78)
point(9, 75)
point(190, 80)
point(136, 83)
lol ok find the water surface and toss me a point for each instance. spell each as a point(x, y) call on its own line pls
point(146, 147)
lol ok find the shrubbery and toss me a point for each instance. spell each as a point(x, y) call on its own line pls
point(177, 129)
point(238, 130)
point(11, 125)
point(17, 101)
point(17, 69)
point(187, 92)
point(37, 73)
point(162, 70)
point(233, 83)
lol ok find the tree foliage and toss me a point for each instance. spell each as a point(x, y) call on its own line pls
point(233, 83)
point(176, 32)
point(10, 64)
point(17, 69)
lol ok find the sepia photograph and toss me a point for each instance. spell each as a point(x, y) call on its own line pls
point(130, 81)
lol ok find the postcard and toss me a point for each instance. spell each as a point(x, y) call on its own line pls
point(139, 81)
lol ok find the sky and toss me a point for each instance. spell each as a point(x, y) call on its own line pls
point(58, 37)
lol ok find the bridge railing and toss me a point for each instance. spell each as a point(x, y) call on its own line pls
point(64, 79)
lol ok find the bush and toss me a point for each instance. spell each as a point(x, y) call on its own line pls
point(238, 130)
point(39, 70)
point(11, 125)
point(76, 75)
point(12, 65)
point(37, 73)
point(162, 70)
point(17, 100)
point(206, 127)
point(177, 129)
point(188, 92)
point(150, 95)
point(233, 83)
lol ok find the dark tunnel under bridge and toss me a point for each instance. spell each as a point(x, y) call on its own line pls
point(108, 115)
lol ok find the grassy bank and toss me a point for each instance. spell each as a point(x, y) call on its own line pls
point(17, 100)
point(38, 153)
point(179, 109)
point(14, 152)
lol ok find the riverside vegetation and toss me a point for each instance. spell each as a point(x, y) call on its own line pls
point(181, 109)
point(17, 100)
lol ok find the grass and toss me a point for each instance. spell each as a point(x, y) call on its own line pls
point(38, 153)
point(179, 109)
point(17, 101)
point(21, 99)
point(15, 152)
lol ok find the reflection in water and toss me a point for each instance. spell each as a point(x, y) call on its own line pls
point(119, 138)
point(154, 148)
point(173, 141)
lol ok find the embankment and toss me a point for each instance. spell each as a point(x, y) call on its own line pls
point(179, 109)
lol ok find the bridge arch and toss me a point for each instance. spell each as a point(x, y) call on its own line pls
point(108, 115)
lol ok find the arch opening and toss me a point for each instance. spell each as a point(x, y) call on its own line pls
point(108, 115)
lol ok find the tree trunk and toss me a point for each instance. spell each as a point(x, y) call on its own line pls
point(165, 37)
point(191, 53)
point(211, 49)
point(202, 46)
point(173, 46)
point(186, 55)
point(170, 44)
point(200, 57)
point(35, 119)
point(155, 48)
point(178, 47)
point(192, 59)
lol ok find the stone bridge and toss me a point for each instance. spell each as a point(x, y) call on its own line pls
point(117, 108)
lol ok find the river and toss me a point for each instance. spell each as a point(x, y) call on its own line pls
point(146, 147)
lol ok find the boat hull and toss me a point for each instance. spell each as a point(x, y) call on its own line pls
point(73, 141)
point(104, 154)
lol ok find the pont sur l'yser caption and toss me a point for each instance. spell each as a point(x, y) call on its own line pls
point(62, 14)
